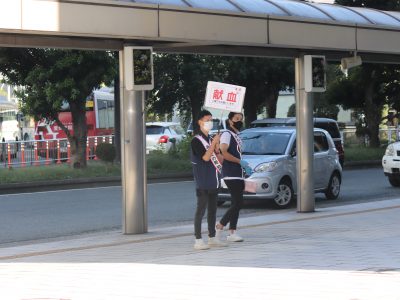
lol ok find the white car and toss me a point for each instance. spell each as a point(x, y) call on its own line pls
point(391, 163)
point(163, 135)
point(271, 154)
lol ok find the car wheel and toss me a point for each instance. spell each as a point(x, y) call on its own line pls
point(394, 180)
point(333, 189)
point(284, 195)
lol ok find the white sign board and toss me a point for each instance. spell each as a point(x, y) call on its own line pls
point(224, 96)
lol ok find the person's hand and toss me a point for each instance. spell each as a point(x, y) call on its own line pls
point(215, 141)
point(244, 163)
point(248, 170)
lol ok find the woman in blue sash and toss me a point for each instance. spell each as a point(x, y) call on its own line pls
point(207, 167)
point(232, 173)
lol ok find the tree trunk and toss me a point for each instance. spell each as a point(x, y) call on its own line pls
point(250, 113)
point(79, 139)
point(271, 101)
point(373, 116)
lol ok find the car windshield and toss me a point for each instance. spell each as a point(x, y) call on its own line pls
point(265, 143)
point(152, 129)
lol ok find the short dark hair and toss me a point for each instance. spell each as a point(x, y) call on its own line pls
point(230, 117)
point(232, 114)
point(203, 113)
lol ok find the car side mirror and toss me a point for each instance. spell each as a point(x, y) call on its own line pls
point(172, 140)
point(293, 153)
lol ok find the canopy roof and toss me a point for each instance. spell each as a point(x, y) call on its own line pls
point(290, 8)
point(239, 27)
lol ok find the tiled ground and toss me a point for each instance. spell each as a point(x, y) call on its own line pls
point(351, 252)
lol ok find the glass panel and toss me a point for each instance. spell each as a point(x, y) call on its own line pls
point(377, 17)
point(260, 6)
point(343, 14)
point(166, 2)
point(300, 9)
point(265, 143)
point(154, 129)
point(320, 142)
point(213, 4)
point(106, 113)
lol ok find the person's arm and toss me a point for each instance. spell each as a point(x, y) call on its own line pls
point(226, 155)
point(212, 148)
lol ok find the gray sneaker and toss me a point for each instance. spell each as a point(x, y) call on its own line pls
point(216, 242)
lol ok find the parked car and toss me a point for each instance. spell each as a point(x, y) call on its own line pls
point(329, 125)
point(271, 153)
point(163, 135)
point(391, 163)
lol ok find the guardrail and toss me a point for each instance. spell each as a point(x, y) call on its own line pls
point(45, 152)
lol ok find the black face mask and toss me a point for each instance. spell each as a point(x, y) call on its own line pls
point(238, 125)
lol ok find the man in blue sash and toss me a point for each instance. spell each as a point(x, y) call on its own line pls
point(207, 167)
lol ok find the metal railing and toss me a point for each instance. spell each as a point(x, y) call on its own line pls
point(45, 152)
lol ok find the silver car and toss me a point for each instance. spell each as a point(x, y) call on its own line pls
point(163, 135)
point(271, 153)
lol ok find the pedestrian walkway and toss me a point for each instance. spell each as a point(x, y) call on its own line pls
point(348, 252)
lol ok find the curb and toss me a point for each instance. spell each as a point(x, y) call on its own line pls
point(14, 188)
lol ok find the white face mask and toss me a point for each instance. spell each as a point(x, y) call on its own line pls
point(208, 125)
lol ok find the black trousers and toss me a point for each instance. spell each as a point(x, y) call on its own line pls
point(231, 216)
point(206, 199)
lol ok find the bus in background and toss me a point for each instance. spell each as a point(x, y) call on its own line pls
point(99, 118)
point(9, 125)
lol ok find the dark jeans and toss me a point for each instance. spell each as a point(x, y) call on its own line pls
point(206, 199)
point(231, 216)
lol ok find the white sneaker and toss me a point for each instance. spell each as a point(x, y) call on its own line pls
point(218, 233)
point(234, 237)
point(216, 242)
point(200, 245)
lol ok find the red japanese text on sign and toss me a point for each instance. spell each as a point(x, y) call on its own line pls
point(231, 97)
point(217, 95)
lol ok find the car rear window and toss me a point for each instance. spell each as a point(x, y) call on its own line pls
point(331, 127)
point(153, 129)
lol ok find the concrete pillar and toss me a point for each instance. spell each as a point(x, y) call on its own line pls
point(133, 158)
point(304, 142)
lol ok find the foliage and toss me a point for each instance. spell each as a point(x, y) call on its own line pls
point(50, 78)
point(378, 4)
point(368, 87)
point(362, 153)
point(106, 152)
point(182, 79)
point(57, 172)
point(322, 107)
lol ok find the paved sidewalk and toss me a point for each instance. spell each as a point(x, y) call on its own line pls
point(348, 252)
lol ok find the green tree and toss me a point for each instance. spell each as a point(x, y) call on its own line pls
point(50, 77)
point(263, 78)
point(370, 86)
point(179, 80)
point(182, 80)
